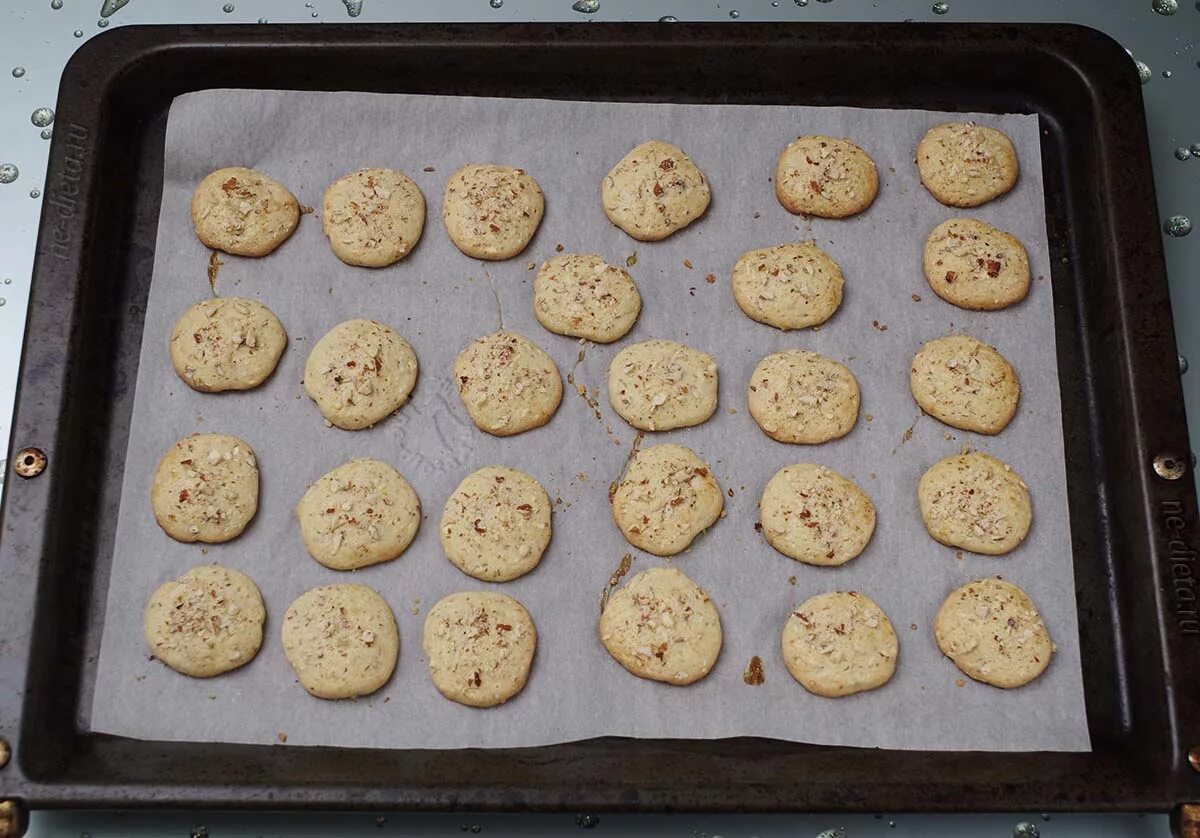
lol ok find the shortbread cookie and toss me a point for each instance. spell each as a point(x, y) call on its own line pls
point(359, 373)
point(507, 383)
point(789, 286)
point(226, 343)
point(206, 622)
point(965, 383)
point(362, 513)
point(993, 633)
point(840, 643)
point(975, 502)
point(580, 296)
point(496, 525)
point(814, 515)
point(666, 498)
point(373, 217)
point(975, 265)
point(826, 177)
point(480, 647)
point(662, 626)
point(660, 384)
point(654, 191)
point(492, 212)
point(243, 212)
point(342, 641)
point(801, 396)
point(964, 165)
point(205, 488)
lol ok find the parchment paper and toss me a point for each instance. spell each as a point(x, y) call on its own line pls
point(440, 300)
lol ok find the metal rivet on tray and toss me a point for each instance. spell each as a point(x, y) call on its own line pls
point(1194, 758)
point(29, 462)
point(5, 752)
point(1169, 466)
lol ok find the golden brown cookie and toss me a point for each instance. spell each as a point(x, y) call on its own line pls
point(373, 217)
point(992, 631)
point(814, 515)
point(826, 177)
point(480, 646)
point(205, 488)
point(666, 498)
point(226, 343)
point(579, 295)
point(507, 383)
point(359, 373)
point(976, 266)
point(658, 385)
point(976, 502)
point(491, 212)
point(964, 165)
point(655, 190)
point(243, 212)
point(840, 643)
point(803, 397)
point(789, 286)
point(965, 383)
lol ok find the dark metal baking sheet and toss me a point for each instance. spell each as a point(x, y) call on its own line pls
point(1132, 530)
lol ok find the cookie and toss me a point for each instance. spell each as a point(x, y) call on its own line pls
point(840, 643)
point(826, 177)
point(373, 217)
point(480, 647)
point(964, 165)
point(801, 396)
point(789, 286)
point(359, 373)
point(658, 385)
point(992, 631)
point(814, 515)
point(496, 525)
point(975, 265)
point(205, 488)
point(341, 640)
point(492, 212)
point(507, 383)
point(206, 622)
point(654, 191)
point(666, 498)
point(226, 343)
point(662, 626)
point(578, 295)
point(362, 513)
point(975, 502)
point(965, 383)
point(243, 212)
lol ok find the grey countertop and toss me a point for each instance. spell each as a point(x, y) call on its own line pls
point(37, 37)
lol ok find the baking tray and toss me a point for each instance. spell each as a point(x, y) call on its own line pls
point(1132, 530)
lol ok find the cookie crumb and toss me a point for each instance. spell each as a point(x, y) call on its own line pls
point(687, 263)
point(631, 259)
point(429, 169)
point(281, 736)
point(756, 215)
point(791, 580)
point(912, 626)
point(305, 209)
point(916, 298)
point(558, 248)
point(731, 411)
point(959, 682)
point(710, 278)
point(753, 675)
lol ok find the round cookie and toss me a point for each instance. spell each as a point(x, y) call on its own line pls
point(361, 513)
point(341, 640)
point(975, 502)
point(507, 383)
point(206, 622)
point(814, 515)
point(993, 633)
point(666, 498)
point(243, 212)
point(789, 286)
point(373, 217)
point(492, 212)
point(496, 525)
point(578, 295)
point(840, 643)
point(976, 266)
point(662, 626)
point(964, 165)
point(658, 385)
point(359, 373)
point(654, 191)
point(226, 343)
point(965, 383)
point(804, 397)
point(205, 488)
point(480, 647)
point(825, 177)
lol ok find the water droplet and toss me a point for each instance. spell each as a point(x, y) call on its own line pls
point(1183, 364)
point(734, 14)
point(587, 821)
point(1144, 72)
point(111, 7)
point(3, 301)
point(1167, 74)
point(102, 22)
point(941, 7)
point(8, 172)
point(824, 1)
point(774, 3)
point(801, 3)
point(832, 833)
point(227, 8)
point(495, 4)
point(78, 33)
point(18, 72)
point(1025, 829)
point(891, 824)
point(668, 19)
point(1182, 153)
point(8, 281)
point(587, 7)
point(1045, 816)
point(200, 832)
point(56, 4)
point(35, 193)
point(316, 14)
point(353, 7)
point(381, 821)
point(476, 828)
point(47, 133)
point(1177, 225)
point(262, 20)
point(1165, 7)
point(41, 117)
